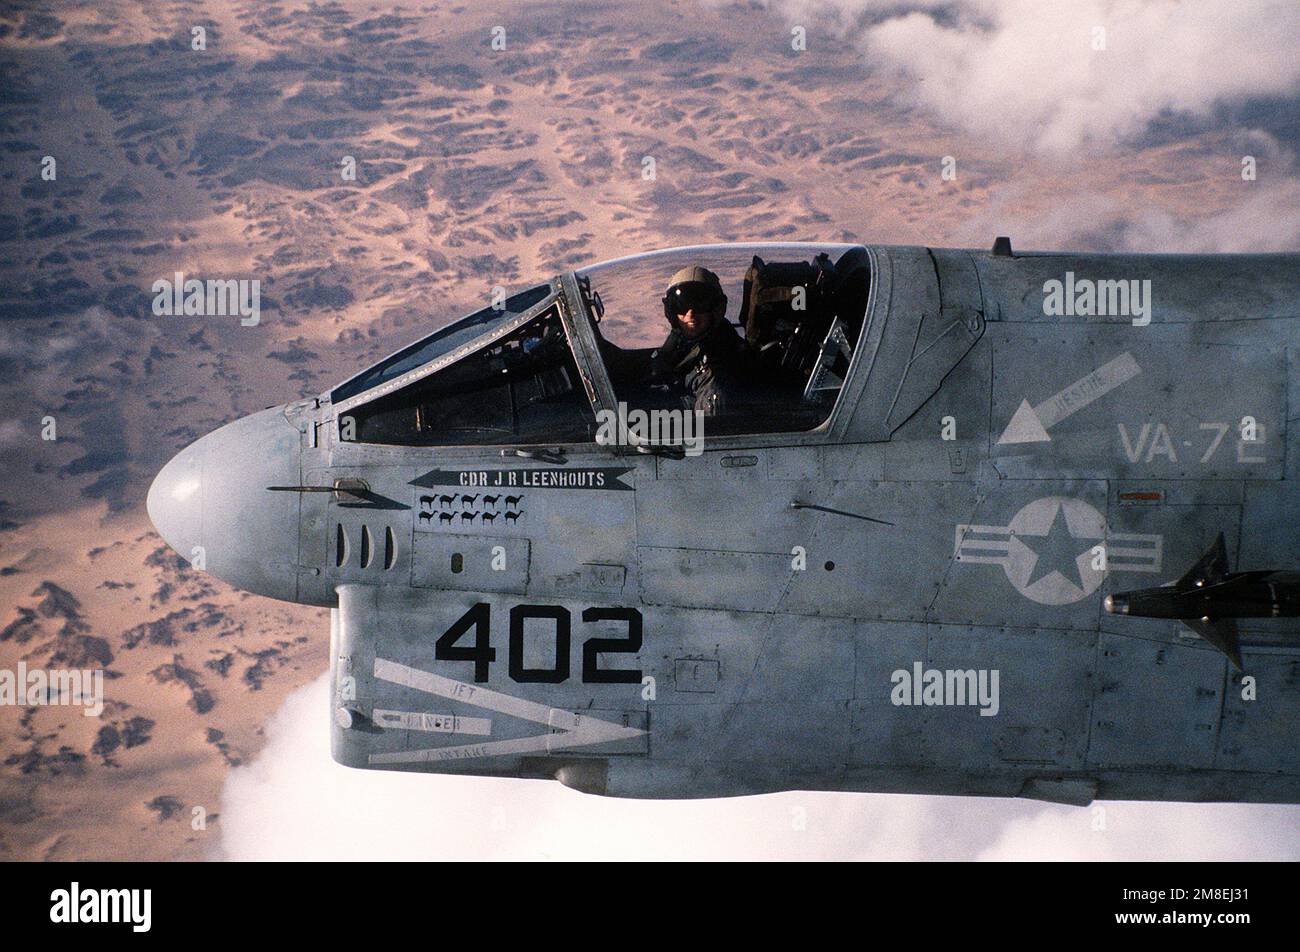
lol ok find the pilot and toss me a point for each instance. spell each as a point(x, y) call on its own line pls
point(703, 354)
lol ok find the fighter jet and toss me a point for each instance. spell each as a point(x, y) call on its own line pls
point(734, 519)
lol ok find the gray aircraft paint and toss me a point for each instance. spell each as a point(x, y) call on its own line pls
point(756, 676)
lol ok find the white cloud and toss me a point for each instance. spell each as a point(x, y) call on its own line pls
point(294, 802)
point(1154, 831)
point(1026, 71)
point(1265, 218)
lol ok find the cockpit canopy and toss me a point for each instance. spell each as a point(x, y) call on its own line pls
point(537, 367)
point(443, 341)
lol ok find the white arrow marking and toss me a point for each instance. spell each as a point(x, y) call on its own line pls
point(1030, 424)
point(575, 730)
point(437, 723)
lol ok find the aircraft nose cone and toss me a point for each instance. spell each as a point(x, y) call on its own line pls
point(210, 503)
point(175, 501)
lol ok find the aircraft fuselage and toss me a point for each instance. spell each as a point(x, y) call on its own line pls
point(825, 608)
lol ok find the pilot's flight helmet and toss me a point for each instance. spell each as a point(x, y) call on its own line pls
point(693, 287)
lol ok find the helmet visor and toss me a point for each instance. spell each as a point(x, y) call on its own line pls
point(693, 295)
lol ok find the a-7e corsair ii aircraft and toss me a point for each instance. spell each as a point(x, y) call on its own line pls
point(889, 569)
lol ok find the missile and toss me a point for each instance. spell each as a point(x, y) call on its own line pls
point(1208, 599)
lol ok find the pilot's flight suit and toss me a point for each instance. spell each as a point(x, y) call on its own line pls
point(714, 370)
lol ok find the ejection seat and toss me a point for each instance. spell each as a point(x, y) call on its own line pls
point(798, 315)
